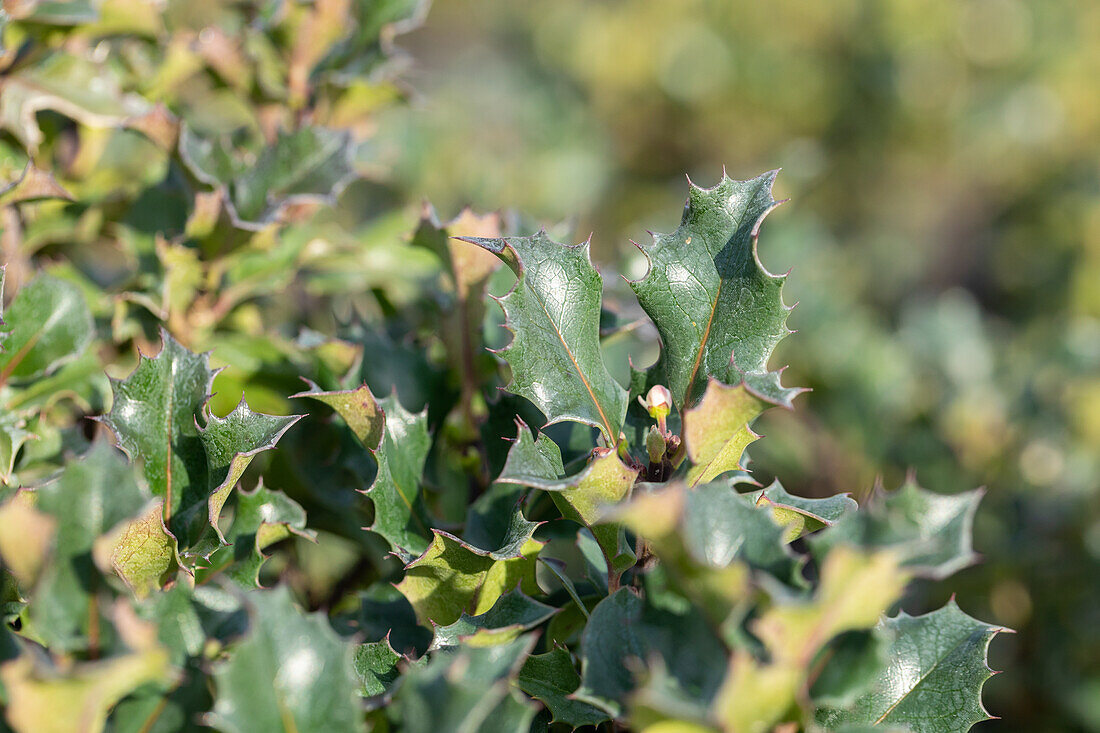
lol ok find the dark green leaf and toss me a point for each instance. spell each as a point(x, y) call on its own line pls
point(400, 514)
point(553, 313)
point(551, 678)
point(933, 680)
point(719, 312)
point(193, 468)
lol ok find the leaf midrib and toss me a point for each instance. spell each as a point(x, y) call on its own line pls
point(713, 310)
point(168, 412)
point(611, 435)
point(705, 467)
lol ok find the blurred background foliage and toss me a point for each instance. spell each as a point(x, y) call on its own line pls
point(943, 161)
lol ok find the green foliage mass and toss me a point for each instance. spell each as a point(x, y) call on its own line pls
point(543, 540)
point(942, 240)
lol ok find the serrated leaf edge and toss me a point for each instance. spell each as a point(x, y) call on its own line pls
point(105, 419)
point(694, 191)
point(498, 246)
point(990, 632)
point(216, 501)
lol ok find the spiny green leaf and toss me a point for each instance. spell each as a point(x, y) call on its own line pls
point(552, 679)
point(231, 442)
point(292, 672)
point(154, 420)
point(931, 531)
point(399, 442)
point(553, 313)
point(512, 614)
point(583, 498)
point(193, 468)
point(718, 311)
point(799, 514)
point(400, 514)
point(933, 681)
point(453, 577)
point(537, 457)
point(50, 325)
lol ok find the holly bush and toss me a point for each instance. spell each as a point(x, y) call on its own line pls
point(467, 515)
